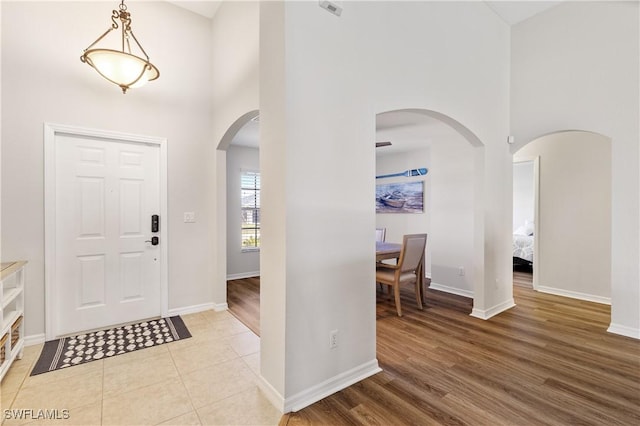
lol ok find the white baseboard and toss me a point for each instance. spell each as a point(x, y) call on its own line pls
point(220, 307)
point(197, 308)
point(243, 275)
point(485, 314)
point(34, 339)
point(337, 383)
point(623, 330)
point(271, 393)
point(575, 295)
point(452, 290)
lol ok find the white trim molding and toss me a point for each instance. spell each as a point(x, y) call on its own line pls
point(194, 309)
point(330, 386)
point(485, 314)
point(34, 339)
point(271, 393)
point(575, 295)
point(623, 330)
point(243, 275)
point(452, 290)
point(220, 307)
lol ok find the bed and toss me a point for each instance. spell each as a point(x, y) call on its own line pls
point(523, 245)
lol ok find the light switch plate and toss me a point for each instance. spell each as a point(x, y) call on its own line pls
point(189, 217)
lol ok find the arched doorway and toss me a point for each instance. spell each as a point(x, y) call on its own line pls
point(452, 214)
point(573, 226)
point(239, 188)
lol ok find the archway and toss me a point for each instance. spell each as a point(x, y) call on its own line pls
point(453, 216)
point(573, 226)
point(238, 155)
point(235, 127)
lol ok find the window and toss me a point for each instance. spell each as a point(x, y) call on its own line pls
point(250, 204)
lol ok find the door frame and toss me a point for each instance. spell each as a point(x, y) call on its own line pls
point(51, 130)
point(536, 215)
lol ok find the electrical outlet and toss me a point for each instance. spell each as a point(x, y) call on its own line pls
point(189, 217)
point(461, 271)
point(333, 339)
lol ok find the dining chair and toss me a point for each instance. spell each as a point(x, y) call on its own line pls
point(407, 269)
point(381, 234)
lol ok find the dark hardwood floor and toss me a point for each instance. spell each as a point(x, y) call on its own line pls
point(547, 361)
point(243, 298)
point(522, 279)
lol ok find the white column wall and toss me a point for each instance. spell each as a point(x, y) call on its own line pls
point(328, 78)
point(274, 300)
point(234, 75)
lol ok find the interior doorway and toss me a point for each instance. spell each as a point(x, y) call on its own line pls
point(242, 227)
point(525, 216)
point(453, 155)
point(573, 216)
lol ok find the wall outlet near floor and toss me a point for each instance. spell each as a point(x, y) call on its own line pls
point(333, 339)
point(461, 271)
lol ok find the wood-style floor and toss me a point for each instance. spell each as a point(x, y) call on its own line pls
point(243, 298)
point(547, 361)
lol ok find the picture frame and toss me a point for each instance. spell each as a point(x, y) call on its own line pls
point(400, 197)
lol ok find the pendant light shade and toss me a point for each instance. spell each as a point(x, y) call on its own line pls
point(121, 67)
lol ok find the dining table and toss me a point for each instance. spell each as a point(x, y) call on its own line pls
point(386, 250)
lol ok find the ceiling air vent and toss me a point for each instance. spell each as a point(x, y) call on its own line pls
point(331, 7)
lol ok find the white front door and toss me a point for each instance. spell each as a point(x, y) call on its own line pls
point(106, 270)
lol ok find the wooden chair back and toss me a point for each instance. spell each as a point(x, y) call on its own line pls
point(413, 246)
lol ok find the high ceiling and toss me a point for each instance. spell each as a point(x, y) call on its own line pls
point(405, 129)
point(205, 8)
point(510, 12)
point(513, 12)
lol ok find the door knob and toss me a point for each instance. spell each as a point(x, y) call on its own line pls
point(154, 241)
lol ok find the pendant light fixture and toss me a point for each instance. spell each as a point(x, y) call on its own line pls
point(121, 67)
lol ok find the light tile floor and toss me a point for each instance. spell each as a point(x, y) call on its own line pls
point(209, 379)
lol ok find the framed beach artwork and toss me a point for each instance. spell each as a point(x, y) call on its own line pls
point(402, 197)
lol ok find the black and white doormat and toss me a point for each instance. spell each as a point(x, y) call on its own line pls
point(87, 347)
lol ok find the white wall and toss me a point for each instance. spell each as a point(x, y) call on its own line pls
point(574, 229)
point(319, 114)
point(1, 257)
point(452, 227)
point(566, 75)
point(448, 202)
point(274, 301)
point(234, 76)
point(239, 264)
point(43, 80)
point(523, 196)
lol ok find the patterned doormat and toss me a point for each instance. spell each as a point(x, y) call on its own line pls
point(87, 347)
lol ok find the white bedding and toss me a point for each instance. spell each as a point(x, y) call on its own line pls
point(523, 247)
